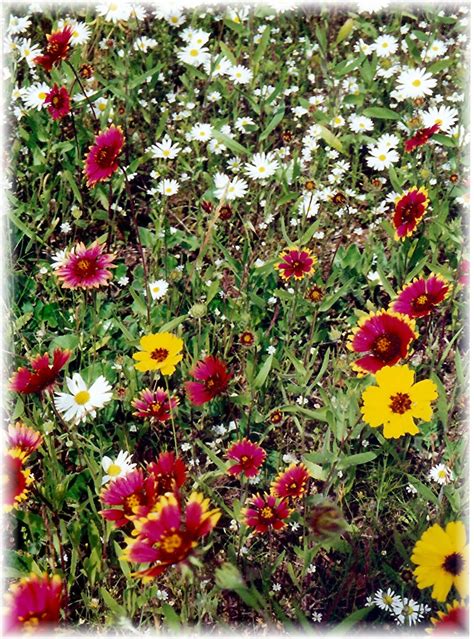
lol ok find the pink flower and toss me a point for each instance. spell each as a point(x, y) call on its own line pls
point(86, 267)
point(266, 512)
point(249, 458)
point(296, 263)
point(23, 439)
point(154, 405)
point(213, 380)
point(44, 375)
point(101, 161)
point(58, 101)
point(34, 603)
point(420, 297)
point(132, 496)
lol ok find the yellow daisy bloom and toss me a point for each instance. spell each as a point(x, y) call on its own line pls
point(397, 400)
point(442, 558)
point(160, 351)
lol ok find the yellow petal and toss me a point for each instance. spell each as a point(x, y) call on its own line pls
point(461, 583)
point(443, 584)
point(424, 391)
point(399, 425)
point(457, 533)
point(374, 410)
point(395, 378)
point(422, 410)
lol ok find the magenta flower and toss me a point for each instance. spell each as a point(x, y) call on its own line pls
point(420, 297)
point(34, 603)
point(58, 101)
point(154, 405)
point(249, 458)
point(101, 161)
point(43, 375)
point(213, 380)
point(86, 267)
point(296, 263)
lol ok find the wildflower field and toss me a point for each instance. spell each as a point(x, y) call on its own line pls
point(237, 278)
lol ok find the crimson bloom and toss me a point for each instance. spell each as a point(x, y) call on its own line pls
point(34, 603)
point(58, 101)
point(16, 479)
point(168, 472)
point(131, 496)
point(385, 337)
point(101, 161)
point(249, 458)
point(420, 138)
point(213, 380)
point(57, 48)
point(43, 375)
point(291, 482)
point(266, 512)
point(86, 267)
point(23, 439)
point(168, 534)
point(297, 263)
point(421, 296)
point(155, 405)
point(410, 208)
point(449, 623)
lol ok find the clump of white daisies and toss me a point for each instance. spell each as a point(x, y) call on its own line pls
point(405, 611)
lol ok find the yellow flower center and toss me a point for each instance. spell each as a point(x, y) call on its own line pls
point(114, 470)
point(42, 95)
point(194, 52)
point(166, 154)
point(132, 501)
point(267, 513)
point(82, 397)
point(416, 83)
point(261, 169)
point(382, 157)
point(171, 543)
point(400, 403)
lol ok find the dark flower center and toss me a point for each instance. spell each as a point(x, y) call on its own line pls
point(400, 403)
point(211, 383)
point(421, 302)
point(105, 156)
point(454, 564)
point(159, 354)
point(56, 100)
point(386, 346)
point(86, 267)
point(53, 47)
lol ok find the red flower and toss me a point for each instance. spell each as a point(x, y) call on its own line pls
point(23, 439)
point(101, 161)
point(133, 496)
point(266, 512)
point(58, 101)
point(169, 473)
point(34, 603)
point(86, 267)
point(410, 208)
point(213, 380)
point(420, 138)
point(296, 263)
point(291, 482)
point(449, 623)
point(154, 405)
point(57, 48)
point(168, 534)
point(247, 338)
point(249, 458)
point(16, 479)
point(385, 337)
point(420, 297)
point(44, 375)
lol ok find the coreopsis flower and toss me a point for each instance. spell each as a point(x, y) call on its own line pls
point(86, 267)
point(247, 338)
point(291, 482)
point(249, 458)
point(57, 49)
point(58, 101)
point(23, 439)
point(43, 375)
point(213, 379)
point(410, 207)
point(296, 263)
point(101, 161)
point(130, 496)
point(385, 337)
point(420, 297)
point(266, 512)
point(453, 622)
point(155, 405)
point(397, 400)
point(82, 400)
point(118, 467)
point(420, 138)
point(16, 479)
point(441, 557)
point(160, 352)
point(168, 472)
point(34, 604)
point(168, 535)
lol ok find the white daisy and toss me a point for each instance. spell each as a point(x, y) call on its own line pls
point(360, 123)
point(34, 96)
point(380, 157)
point(18, 25)
point(385, 46)
point(241, 124)
point(338, 121)
point(387, 600)
point(197, 37)
point(158, 289)
point(114, 11)
point(436, 49)
point(118, 467)
point(81, 32)
point(408, 612)
point(28, 51)
point(233, 189)
point(201, 132)
point(415, 83)
point(193, 55)
point(82, 400)
point(168, 187)
point(262, 166)
point(240, 74)
point(441, 474)
point(444, 117)
point(165, 149)
point(220, 66)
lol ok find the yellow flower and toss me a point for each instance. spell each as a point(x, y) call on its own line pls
point(442, 557)
point(397, 400)
point(160, 351)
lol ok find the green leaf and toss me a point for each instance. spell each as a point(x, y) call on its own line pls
point(230, 143)
point(331, 139)
point(65, 341)
point(227, 52)
point(171, 618)
point(345, 30)
point(274, 122)
point(440, 65)
point(350, 621)
point(445, 140)
point(355, 460)
point(113, 605)
point(394, 180)
point(381, 112)
point(261, 378)
point(315, 413)
point(423, 490)
point(169, 326)
point(262, 45)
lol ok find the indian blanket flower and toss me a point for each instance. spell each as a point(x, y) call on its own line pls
point(212, 380)
point(410, 207)
point(101, 161)
point(420, 138)
point(86, 267)
point(397, 400)
point(420, 297)
point(441, 557)
point(266, 512)
point(160, 352)
point(57, 49)
point(155, 405)
point(23, 439)
point(58, 101)
point(452, 622)
point(385, 337)
point(249, 458)
point(82, 400)
point(296, 263)
point(291, 482)
point(130, 496)
point(168, 472)
point(16, 479)
point(34, 604)
point(169, 534)
point(43, 374)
